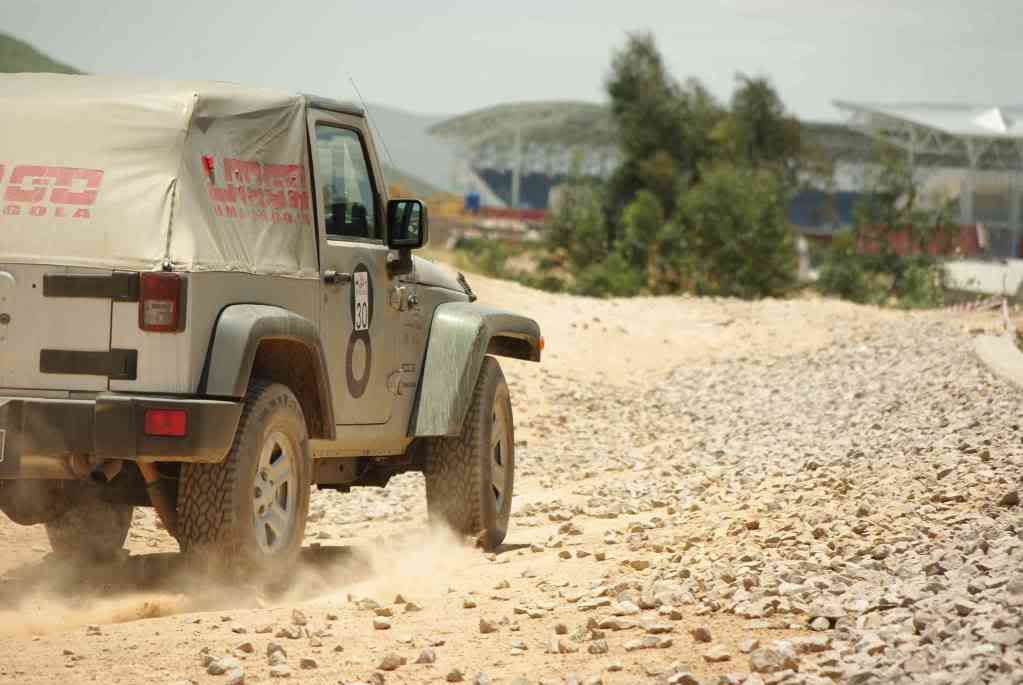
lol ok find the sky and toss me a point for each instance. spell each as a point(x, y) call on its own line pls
point(453, 56)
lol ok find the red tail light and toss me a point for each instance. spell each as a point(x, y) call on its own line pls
point(167, 422)
point(160, 302)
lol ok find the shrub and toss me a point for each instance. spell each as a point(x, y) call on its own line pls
point(739, 240)
point(614, 277)
point(843, 272)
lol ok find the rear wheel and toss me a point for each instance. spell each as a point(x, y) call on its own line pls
point(92, 530)
point(469, 478)
point(250, 510)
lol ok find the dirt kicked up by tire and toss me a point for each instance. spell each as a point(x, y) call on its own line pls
point(470, 478)
point(91, 531)
point(249, 512)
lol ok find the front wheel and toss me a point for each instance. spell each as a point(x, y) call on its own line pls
point(250, 510)
point(469, 478)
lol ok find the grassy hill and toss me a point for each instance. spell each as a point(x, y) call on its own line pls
point(18, 56)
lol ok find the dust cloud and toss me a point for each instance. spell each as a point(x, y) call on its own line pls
point(57, 595)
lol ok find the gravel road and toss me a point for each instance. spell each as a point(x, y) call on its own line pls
point(709, 491)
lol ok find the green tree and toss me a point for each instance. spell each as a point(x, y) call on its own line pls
point(757, 130)
point(664, 127)
point(642, 222)
point(738, 237)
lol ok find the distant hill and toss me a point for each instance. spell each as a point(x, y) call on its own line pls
point(18, 56)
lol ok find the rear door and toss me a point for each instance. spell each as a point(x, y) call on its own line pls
point(55, 327)
point(359, 326)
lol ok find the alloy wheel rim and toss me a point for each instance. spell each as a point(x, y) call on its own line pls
point(500, 452)
point(275, 494)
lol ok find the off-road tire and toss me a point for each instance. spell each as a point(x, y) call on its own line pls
point(459, 469)
point(92, 530)
point(216, 507)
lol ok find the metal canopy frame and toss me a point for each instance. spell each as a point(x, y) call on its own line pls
point(930, 142)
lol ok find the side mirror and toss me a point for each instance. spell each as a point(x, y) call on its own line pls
point(407, 224)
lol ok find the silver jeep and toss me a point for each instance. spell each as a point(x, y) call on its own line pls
point(208, 304)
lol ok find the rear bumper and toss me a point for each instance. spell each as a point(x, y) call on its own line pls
point(38, 431)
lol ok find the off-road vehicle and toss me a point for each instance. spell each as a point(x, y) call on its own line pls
point(208, 304)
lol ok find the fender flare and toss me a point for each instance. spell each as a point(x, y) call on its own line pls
point(237, 335)
point(461, 335)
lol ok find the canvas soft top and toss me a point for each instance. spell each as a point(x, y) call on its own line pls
point(133, 174)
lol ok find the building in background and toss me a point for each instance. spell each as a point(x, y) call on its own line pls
point(514, 156)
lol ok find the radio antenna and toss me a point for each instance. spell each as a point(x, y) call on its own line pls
point(373, 127)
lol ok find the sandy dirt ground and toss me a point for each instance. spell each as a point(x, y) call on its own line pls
point(662, 529)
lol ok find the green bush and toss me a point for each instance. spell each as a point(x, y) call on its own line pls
point(738, 237)
point(577, 229)
point(843, 272)
point(919, 283)
point(614, 277)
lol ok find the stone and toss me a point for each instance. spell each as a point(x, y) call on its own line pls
point(391, 662)
point(1009, 499)
point(454, 676)
point(716, 654)
point(223, 665)
point(811, 645)
point(779, 656)
point(820, 623)
point(247, 647)
point(658, 628)
point(468, 603)
point(747, 646)
point(624, 609)
point(308, 664)
point(381, 623)
point(298, 618)
point(648, 642)
point(280, 671)
point(700, 634)
point(290, 632)
point(272, 647)
point(427, 656)
point(487, 626)
point(598, 647)
point(616, 624)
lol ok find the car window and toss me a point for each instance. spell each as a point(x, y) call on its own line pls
point(346, 186)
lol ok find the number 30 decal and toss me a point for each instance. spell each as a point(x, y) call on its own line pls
point(362, 318)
